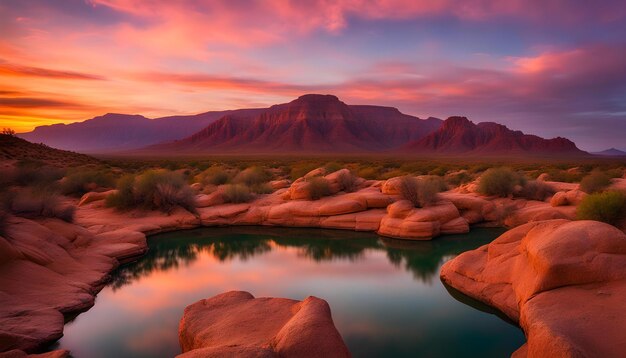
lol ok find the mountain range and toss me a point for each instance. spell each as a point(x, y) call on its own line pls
point(310, 124)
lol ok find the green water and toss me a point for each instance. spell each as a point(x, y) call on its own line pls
point(385, 295)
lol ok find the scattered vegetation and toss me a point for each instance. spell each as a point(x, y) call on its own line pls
point(34, 203)
point(347, 181)
point(213, 176)
point(318, 187)
point(608, 207)
point(8, 131)
point(420, 192)
point(252, 176)
point(237, 193)
point(499, 182)
point(81, 181)
point(153, 190)
point(536, 190)
point(595, 182)
point(458, 178)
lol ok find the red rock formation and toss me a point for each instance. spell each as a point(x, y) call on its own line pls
point(563, 281)
point(237, 324)
point(311, 123)
point(458, 135)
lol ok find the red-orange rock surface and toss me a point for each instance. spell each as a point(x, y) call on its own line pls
point(563, 281)
point(237, 324)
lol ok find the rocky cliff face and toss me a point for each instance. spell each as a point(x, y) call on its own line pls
point(311, 123)
point(458, 135)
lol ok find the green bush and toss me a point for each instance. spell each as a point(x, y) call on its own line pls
point(213, 176)
point(318, 187)
point(595, 182)
point(348, 182)
point(458, 178)
point(499, 182)
point(237, 193)
point(300, 170)
point(252, 176)
point(536, 190)
point(154, 190)
point(608, 207)
point(80, 181)
point(420, 192)
point(369, 173)
point(332, 167)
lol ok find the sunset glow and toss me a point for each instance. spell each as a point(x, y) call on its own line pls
point(552, 68)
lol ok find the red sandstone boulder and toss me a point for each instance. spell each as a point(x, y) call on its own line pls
point(237, 324)
point(563, 281)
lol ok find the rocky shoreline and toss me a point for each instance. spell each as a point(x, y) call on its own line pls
point(51, 268)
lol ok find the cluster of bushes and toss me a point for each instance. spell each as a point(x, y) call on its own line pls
point(505, 182)
point(420, 191)
point(81, 181)
point(608, 207)
point(318, 187)
point(35, 203)
point(162, 190)
point(595, 182)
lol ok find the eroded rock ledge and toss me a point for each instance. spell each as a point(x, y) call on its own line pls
point(563, 281)
point(239, 325)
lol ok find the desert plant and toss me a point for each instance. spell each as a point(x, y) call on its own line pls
point(154, 190)
point(213, 176)
point(499, 182)
point(420, 192)
point(332, 167)
point(237, 193)
point(81, 181)
point(37, 175)
point(348, 182)
point(8, 131)
point(536, 190)
point(458, 178)
point(33, 204)
point(318, 187)
point(300, 170)
point(608, 207)
point(252, 176)
point(369, 172)
point(595, 182)
point(124, 198)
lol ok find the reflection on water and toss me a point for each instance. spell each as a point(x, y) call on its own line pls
point(385, 294)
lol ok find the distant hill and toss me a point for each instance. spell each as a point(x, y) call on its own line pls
point(309, 124)
point(115, 132)
point(17, 149)
point(458, 135)
point(612, 152)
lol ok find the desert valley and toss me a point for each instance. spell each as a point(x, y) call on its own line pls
point(186, 179)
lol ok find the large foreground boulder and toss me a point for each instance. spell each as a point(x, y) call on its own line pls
point(563, 281)
point(237, 324)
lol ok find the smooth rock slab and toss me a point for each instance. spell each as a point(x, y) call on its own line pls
point(237, 324)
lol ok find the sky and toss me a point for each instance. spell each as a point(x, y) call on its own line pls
point(549, 67)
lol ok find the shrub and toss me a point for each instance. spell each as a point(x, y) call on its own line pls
point(332, 167)
point(300, 170)
point(318, 187)
point(252, 176)
point(81, 181)
point(237, 193)
point(213, 176)
point(420, 192)
point(37, 175)
point(608, 207)
point(499, 182)
point(458, 178)
point(595, 182)
point(124, 199)
point(347, 181)
point(536, 190)
point(154, 190)
point(34, 204)
point(435, 181)
point(263, 188)
point(369, 172)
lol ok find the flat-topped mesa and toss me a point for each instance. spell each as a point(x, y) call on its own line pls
point(237, 324)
